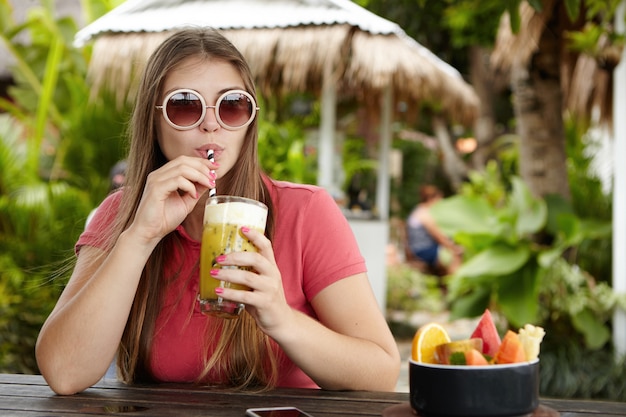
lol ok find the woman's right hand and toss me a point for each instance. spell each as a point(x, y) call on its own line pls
point(170, 194)
point(76, 344)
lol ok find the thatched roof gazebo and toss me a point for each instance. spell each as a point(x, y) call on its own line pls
point(330, 48)
point(327, 47)
point(289, 45)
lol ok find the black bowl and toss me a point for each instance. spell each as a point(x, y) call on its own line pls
point(474, 391)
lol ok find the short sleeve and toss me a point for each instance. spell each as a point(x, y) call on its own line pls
point(99, 226)
point(330, 250)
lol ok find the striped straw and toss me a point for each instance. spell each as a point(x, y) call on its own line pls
point(211, 157)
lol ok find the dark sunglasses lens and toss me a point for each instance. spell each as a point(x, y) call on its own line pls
point(235, 109)
point(184, 109)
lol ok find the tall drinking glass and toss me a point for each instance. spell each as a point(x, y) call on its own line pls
point(224, 216)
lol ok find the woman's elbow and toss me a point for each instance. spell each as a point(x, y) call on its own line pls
point(66, 383)
point(61, 386)
point(384, 377)
point(61, 378)
point(393, 372)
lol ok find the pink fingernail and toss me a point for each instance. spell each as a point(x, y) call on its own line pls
point(245, 229)
point(220, 259)
point(219, 290)
point(214, 272)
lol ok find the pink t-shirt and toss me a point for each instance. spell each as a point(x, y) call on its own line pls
point(314, 247)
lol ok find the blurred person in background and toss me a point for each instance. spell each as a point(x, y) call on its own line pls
point(425, 239)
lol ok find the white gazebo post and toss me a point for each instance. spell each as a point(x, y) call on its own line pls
point(373, 235)
point(326, 145)
point(619, 190)
point(384, 146)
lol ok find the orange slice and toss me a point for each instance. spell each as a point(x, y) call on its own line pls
point(426, 339)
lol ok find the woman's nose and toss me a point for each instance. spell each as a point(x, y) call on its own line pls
point(210, 123)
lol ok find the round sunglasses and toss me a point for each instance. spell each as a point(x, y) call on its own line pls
point(185, 109)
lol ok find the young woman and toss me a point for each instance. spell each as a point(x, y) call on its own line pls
point(311, 319)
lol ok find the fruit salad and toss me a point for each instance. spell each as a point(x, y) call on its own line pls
point(431, 344)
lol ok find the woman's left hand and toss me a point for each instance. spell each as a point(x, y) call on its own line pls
point(266, 300)
point(353, 327)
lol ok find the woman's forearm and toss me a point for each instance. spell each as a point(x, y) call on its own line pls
point(340, 362)
point(349, 346)
point(80, 337)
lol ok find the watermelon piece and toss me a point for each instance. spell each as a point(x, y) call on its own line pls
point(486, 330)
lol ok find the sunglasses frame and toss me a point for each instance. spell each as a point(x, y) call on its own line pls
point(163, 108)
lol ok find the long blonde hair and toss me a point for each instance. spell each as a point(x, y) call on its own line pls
point(243, 352)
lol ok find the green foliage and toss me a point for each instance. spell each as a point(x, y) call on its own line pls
point(93, 142)
point(423, 20)
point(360, 174)
point(52, 97)
point(54, 152)
point(93, 9)
point(598, 32)
point(420, 166)
point(448, 27)
point(284, 149)
point(39, 222)
point(514, 246)
point(39, 88)
point(589, 200)
point(409, 290)
point(284, 153)
point(462, 18)
point(569, 370)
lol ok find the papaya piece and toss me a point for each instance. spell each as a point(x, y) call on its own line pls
point(511, 349)
point(474, 358)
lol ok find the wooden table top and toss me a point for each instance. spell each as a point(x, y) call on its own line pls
point(30, 396)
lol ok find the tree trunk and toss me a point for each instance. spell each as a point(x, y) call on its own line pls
point(538, 111)
point(482, 79)
point(453, 166)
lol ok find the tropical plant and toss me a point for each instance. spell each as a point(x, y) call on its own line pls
point(359, 172)
point(43, 204)
point(591, 198)
point(420, 165)
point(78, 134)
point(409, 290)
point(570, 370)
point(514, 245)
point(567, 34)
point(284, 153)
point(39, 221)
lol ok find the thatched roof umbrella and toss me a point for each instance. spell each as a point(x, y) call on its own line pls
point(327, 47)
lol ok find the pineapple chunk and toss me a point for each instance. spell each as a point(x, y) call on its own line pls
point(531, 337)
